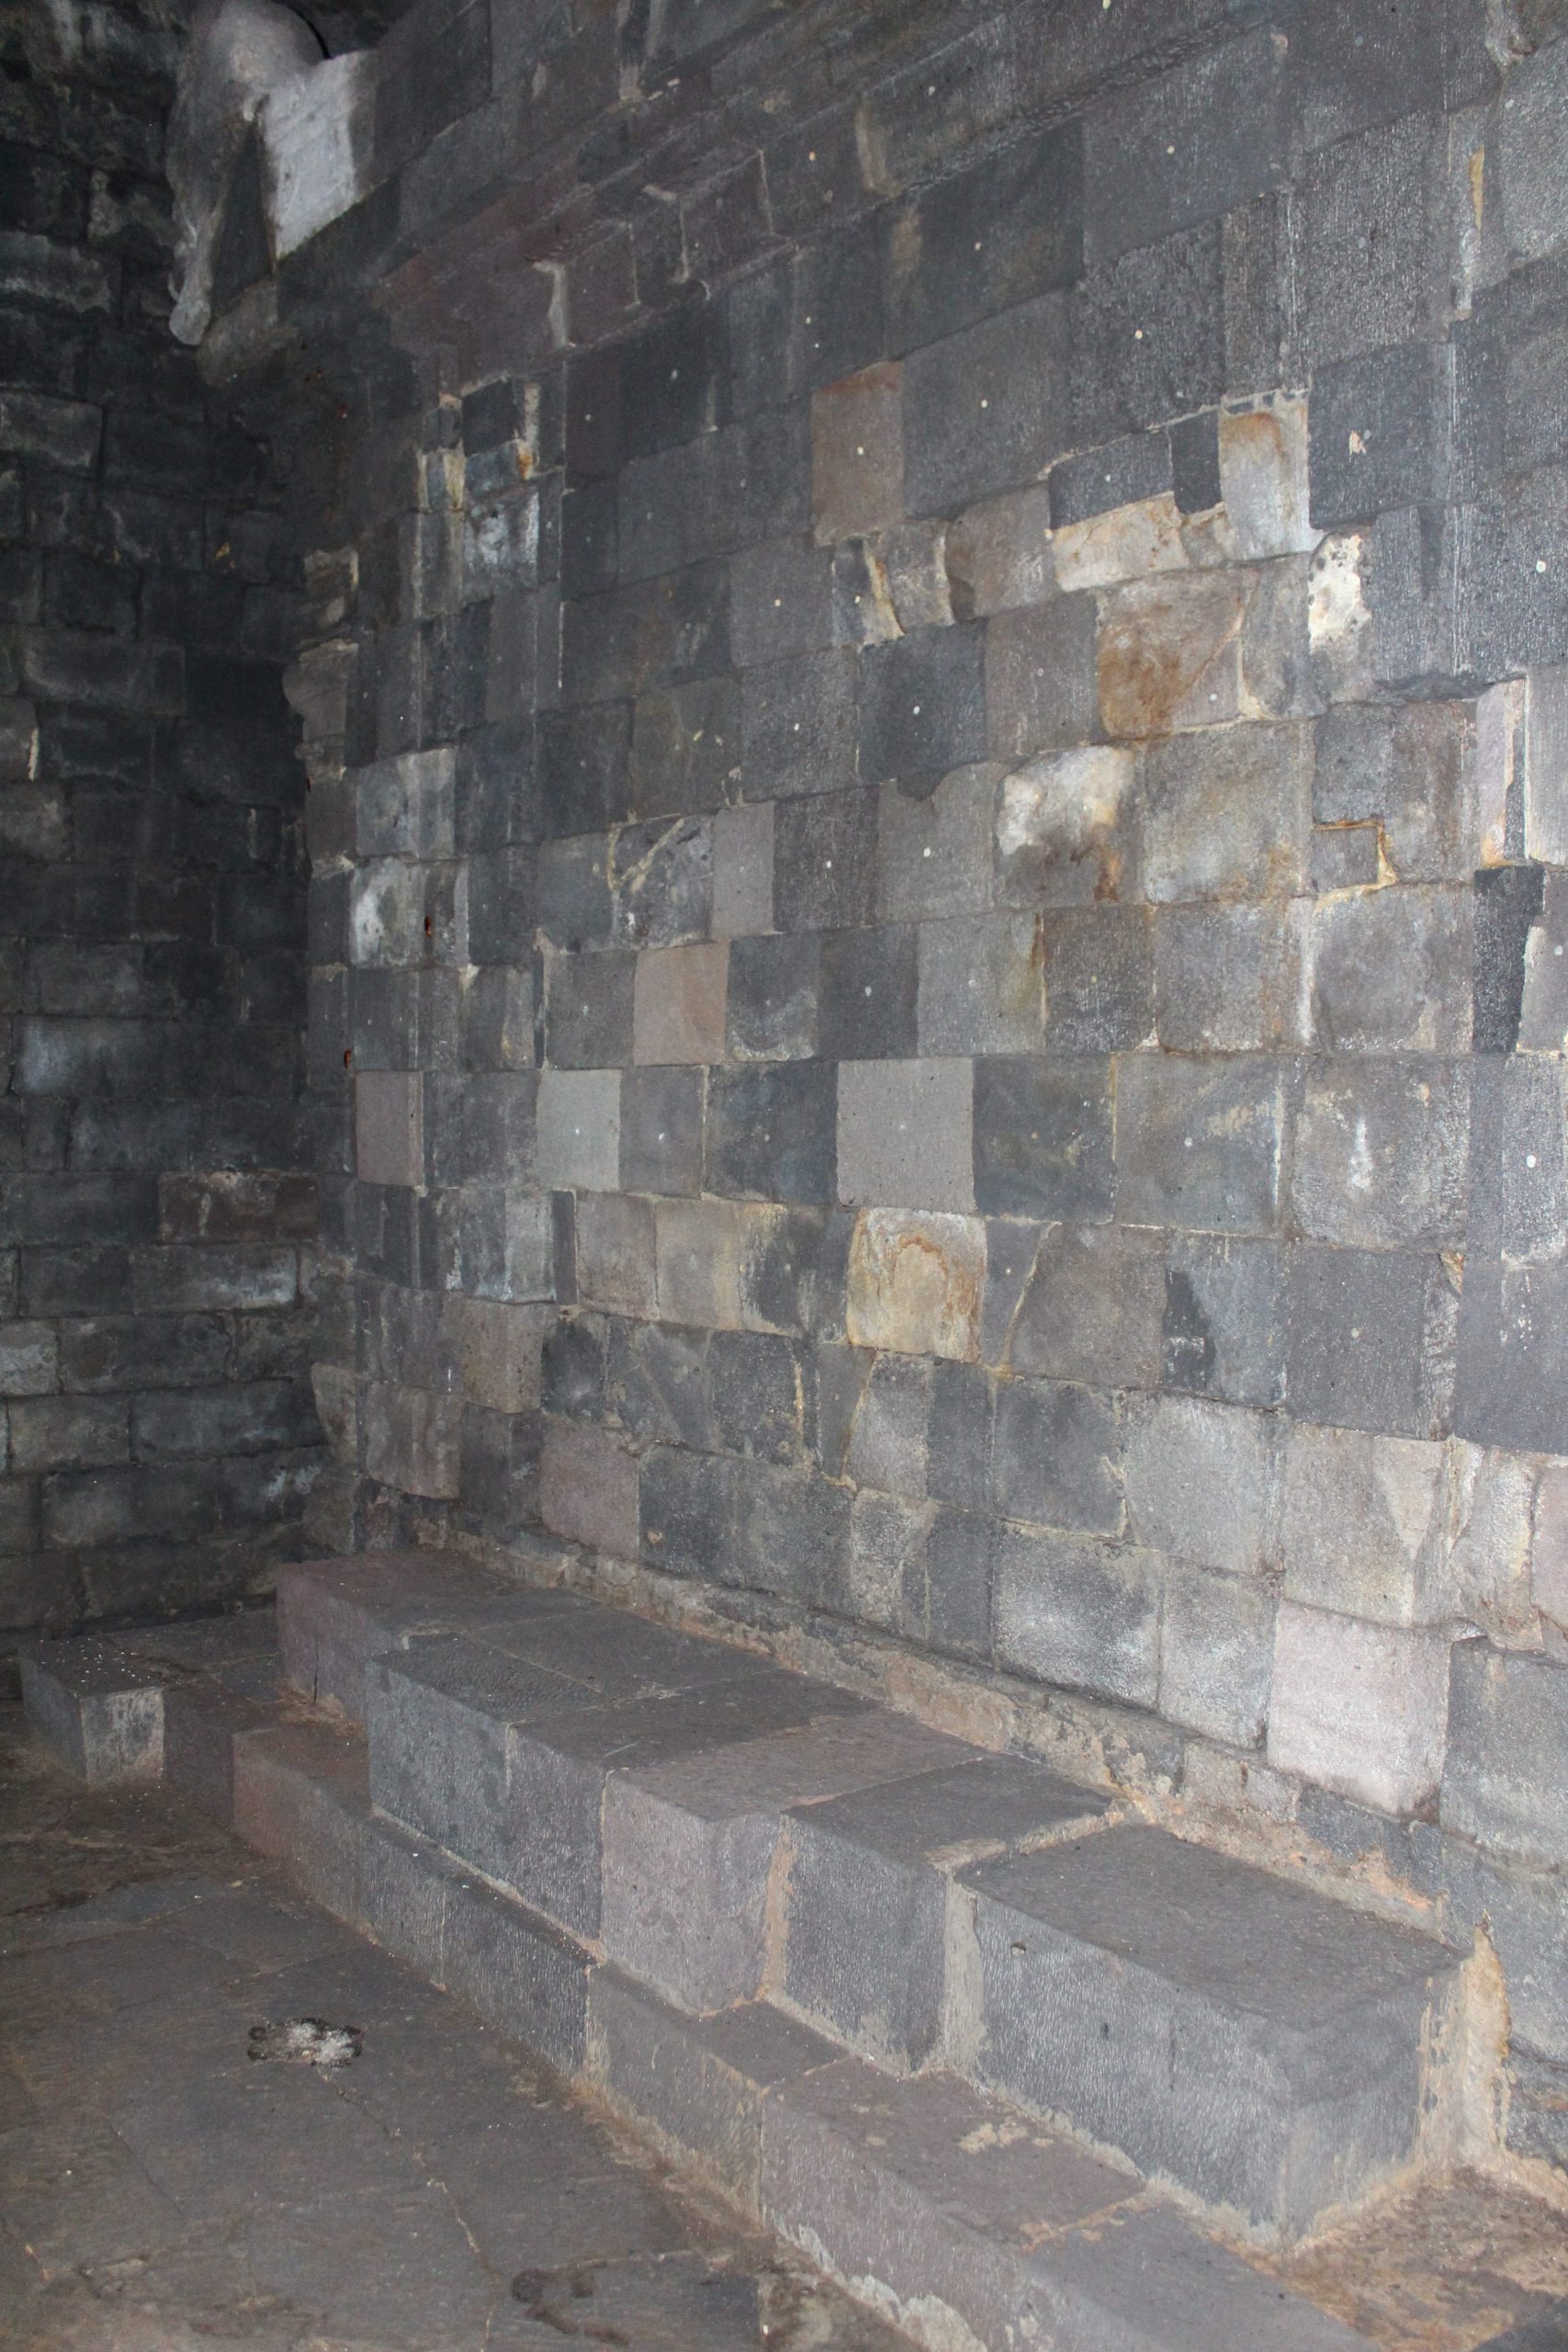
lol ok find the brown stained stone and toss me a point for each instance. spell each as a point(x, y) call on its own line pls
point(1062, 829)
point(588, 1490)
point(857, 454)
point(916, 1283)
point(1170, 653)
point(1000, 554)
point(678, 1005)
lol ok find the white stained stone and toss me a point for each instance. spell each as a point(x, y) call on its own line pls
point(1263, 480)
point(316, 130)
point(1126, 542)
point(1360, 1709)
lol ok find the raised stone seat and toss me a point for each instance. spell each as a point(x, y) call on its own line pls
point(1246, 2037)
point(864, 1974)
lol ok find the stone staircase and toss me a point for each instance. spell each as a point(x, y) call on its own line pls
point(1020, 2069)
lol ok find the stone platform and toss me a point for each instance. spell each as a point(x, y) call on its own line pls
point(1016, 2067)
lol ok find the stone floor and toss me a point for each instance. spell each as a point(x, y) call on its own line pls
point(159, 2191)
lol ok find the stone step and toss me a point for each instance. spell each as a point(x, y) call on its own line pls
point(1249, 2039)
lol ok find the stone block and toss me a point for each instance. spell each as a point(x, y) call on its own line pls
point(773, 1000)
point(300, 1797)
point(1081, 1614)
point(760, 1399)
point(1365, 1524)
point(961, 250)
point(825, 862)
point(1271, 2041)
point(587, 1009)
point(904, 1134)
point(1064, 831)
point(966, 2216)
point(1381, 1154)
point(1510, 1382)
point(1198, 1141)
point(981, 986)
point(857, 454)
point(1216, 1654)
point(798, 726)
point(662, 874)
point(689, 1846)
point(988, 409)
point(517, 1970)
point(435, 1720)
point(506, 1246)
point(1532, 150)
point(1226, 814)
point(578, 1133)
point(697, 1257)
point(1544, 1001)
point(915, 1283)
point(1043, 1137)
point(1093, 1306)
point(1133, 472)
point(1359, 1709)
point(412, 1438)
point(866, 993)
point(1232, 979)
point(614, 1252)
point(662, 1130)
point(688, 1512)
point(742, 871)
point(781, 603)
point(685, 745)
point(1503, 1780)
point(934, 847)
point(1167, 150)
point(405, 805)
point(679, 1004)
point(865, 1924)
point(588, 1490)
point(1128, 543)
point(770, 1131)
point(1200, 1482)
point(998, 554)
point(389, 1127)
point(1354, 295)
point(1170, 653)
point(1392, 970)
point(1040, 678)
point(886, 1436)
point(698, 2084)
point(1381, 432)
point(97, 1709)
point(1056, 1456)
point(793, 1270)
point(1264, 480)
point(1224, 1324)
point(923, 703)
point(1372, 1339)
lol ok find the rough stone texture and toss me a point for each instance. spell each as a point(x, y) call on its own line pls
point(1266, 2047)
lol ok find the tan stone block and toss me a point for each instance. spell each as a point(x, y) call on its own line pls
point(588, 1490)
point(857, 454)
point(1127, 543)
point(1170, 653)
point(615, 1252)
point(677, 1003)
point(999, 555)
point(916, 1284)
point(697, 1257)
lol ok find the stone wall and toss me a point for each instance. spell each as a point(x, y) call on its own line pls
point(938, 723)
point(157, 1435)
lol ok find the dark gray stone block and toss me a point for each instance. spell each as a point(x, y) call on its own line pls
point(588, 1011)
point(1188, 144)
point(1043, 1137)
point(1224, 1325)
point(517, 1970)
point(760, 1396)
point(988, 408)
point(1092, 1310)
point(1371, 1337)
point(866, 1004)
point(771, 1131)
point(1149, 336)
point(825, 862)
point(1267, 2044)
point(864, 1922)
point(1198, 1141)
point(1056, 1456)
point(1121, 474)
point(1512, 1383)
point(774, 984)
point(1071, 1610)
point(798, 726)
point(662, 1127)
point(921, 705)
point(792, 1533)
point(1505, 1781)
point(99, 1709)
point(1381, 429)
point(999, 233)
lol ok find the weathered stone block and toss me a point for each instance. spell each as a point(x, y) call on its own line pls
point(770, 1131)
point(1226, 814)
point(1040, 674)
point(886, 1436)
point(1372, 1339)
point(579, 1135)
point(915, 1283)
point(99, 1709)
point(662, 1130)
point(864, 1931)
point(1232, 979)
point(1381, 1154)
point(1187, 144)
point(698, 1253)
point(923, 704)
point(857, 454)
point(1216, 1654)
point(742, 871)
point(798, 726)
point(1198, 1141)
point(389, 1127)
point(1093, 1306)
point(1170, 653)
point(904, 1134)
point(1073, 1611)
point(1065, 828)
point(517, 1970)
point(678, 1003)
point(1503, 1780)
point(998, 554)
point(300, 1796)
point(1200, 1482)
point(1365, 1524)
point(987, 410)
point(866, 1007)
point(1043, 1137)
point(825, 862)
point(935, 848)
point(588, 1490)
point(614, 1252)
point(688, 1512)
point(1391, 971)
point(1270, 2039)
point(1056, 1456)
point(1360, 1709)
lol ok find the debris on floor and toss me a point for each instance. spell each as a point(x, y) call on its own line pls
point(307, 2042)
